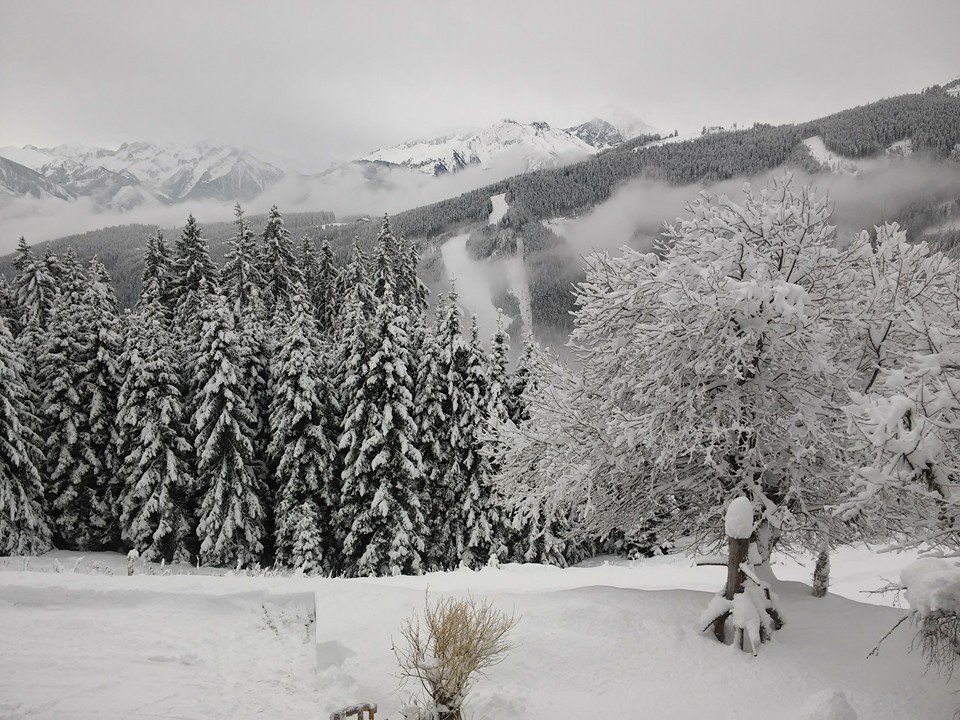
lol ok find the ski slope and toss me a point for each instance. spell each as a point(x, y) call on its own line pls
point(611, 637)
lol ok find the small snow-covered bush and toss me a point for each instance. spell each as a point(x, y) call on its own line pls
point(932, 588)
point(456, 641)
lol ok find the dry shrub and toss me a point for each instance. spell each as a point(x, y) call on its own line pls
point(938, 636)
point(457, 640)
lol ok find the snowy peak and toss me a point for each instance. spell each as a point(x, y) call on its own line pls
point(534, 145)
point(598, 133)
point(138, 172)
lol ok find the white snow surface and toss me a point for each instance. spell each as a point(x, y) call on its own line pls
point(88, 642)
point(500, 208)
point(738, 522)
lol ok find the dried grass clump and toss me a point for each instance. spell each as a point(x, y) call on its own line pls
point(457, 640)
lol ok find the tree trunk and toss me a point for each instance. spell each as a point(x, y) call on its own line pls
point(821, 573)
point(739, 549)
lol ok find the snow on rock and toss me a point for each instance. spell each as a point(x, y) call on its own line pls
point(739, 519)
point(932, 584)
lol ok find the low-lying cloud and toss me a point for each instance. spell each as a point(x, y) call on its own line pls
point(348, 189)
point(636, 212)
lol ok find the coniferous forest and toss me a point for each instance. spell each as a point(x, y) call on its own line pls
point(277, 410)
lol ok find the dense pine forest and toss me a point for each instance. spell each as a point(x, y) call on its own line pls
point(280, 408)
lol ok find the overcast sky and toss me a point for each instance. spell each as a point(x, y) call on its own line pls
point(339, 79)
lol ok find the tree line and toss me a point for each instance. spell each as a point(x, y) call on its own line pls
point(280, 408)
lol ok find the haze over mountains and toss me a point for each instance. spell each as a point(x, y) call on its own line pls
point(143, 178)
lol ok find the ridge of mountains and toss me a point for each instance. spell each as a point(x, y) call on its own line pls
point(139, 173)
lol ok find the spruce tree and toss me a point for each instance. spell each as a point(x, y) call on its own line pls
point(241, 279)
point(193, 278)
point(433, 437)
point(79, 510)
point(101, 377)
point(415, 290)
point(243, 288)
point(449, 486)
point(310, 267)
point(282, 276)
point(304, 421)
point(9, 309)
point(523, 376)
point(157, 274)
point(154, 474)
point(380, 505)
point(230, 526)
point(484, 519)
point(36, 287)
point(24, 526)
point(325, 297)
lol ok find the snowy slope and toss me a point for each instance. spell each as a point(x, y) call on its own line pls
point(18, 180)
point(837, 163)
point(606, 639)
point(537, 144)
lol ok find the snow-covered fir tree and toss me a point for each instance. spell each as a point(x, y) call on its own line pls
point(282, 276)
point(304, 424)
point(432, 440)
point(193, 277)
point(230, 525)
point(242, 284)
point(36, 287)
point(484, 521)
point(9, 309)
point(324, 290)
point(24, 526)
point(79, 508)
point(157, 269)
point(380, 504)
point(521, 381)
point(102, 377)
point(154, 472)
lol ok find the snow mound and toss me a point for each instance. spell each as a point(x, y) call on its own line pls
point(932, 584)
point(829, 705)
point(739, 520)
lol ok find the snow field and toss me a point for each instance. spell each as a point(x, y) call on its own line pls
point(613, 636)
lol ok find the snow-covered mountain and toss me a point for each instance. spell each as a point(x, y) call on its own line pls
point(534, 145)
point(143, 172)
point(18, 180)
point(598, 133)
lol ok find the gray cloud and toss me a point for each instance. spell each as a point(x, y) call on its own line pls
point(337, 79)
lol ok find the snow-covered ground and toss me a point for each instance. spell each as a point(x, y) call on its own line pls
point(500, 207)
point(607, 638)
